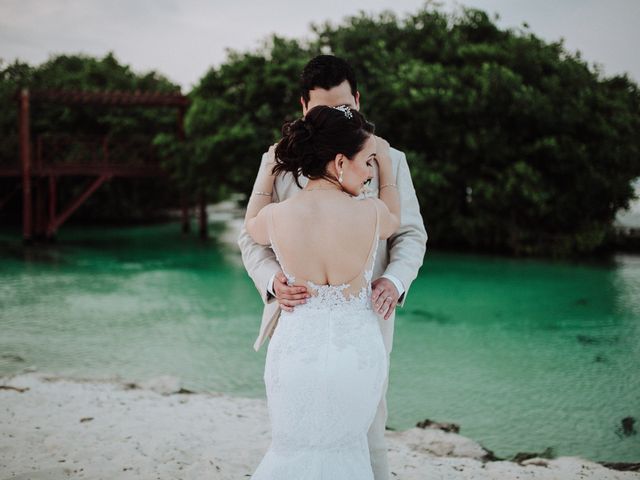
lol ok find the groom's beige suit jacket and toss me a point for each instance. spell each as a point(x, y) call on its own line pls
point(401, 255)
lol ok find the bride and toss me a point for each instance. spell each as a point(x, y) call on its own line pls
point(326, 362)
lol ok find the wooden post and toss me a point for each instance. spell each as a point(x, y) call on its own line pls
point(184, 198)
point(50, 233)
point(25, 157)
point(38, 163)
point(184, 207)
point(202, 204)
point(39, 184)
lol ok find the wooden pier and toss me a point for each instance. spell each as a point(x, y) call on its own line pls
point(47, 157)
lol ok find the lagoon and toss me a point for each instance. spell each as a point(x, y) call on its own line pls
point(523, 354)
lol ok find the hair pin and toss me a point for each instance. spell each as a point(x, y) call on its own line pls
point(346, 110)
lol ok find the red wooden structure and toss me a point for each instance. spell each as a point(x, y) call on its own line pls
point(98, 157)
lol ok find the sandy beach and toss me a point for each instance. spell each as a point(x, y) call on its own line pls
point(54, 427)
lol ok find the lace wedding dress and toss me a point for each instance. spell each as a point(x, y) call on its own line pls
point(325, 368)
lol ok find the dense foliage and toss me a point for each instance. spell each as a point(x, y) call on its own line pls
point(514, 144)
point(238, 109)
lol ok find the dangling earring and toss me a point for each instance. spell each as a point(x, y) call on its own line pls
point(340, 177)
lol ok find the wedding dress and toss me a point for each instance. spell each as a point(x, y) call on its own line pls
point(325, 368)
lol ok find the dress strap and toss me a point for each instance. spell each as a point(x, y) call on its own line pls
point(376, 236)
point(374, 242)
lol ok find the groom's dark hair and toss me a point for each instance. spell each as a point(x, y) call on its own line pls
point(326, 72)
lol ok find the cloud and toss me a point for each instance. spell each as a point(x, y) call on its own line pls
point(183, 39)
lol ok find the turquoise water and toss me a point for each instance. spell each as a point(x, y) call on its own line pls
point(523, 354)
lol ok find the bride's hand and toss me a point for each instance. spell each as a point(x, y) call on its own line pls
point(383, 152)
point(270, 161)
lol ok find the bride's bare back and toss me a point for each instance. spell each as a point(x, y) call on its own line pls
point(324, 239)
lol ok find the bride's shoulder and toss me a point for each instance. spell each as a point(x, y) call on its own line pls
point(375, 201)
point(283, 205)
point(381, 208)
point(284, 209)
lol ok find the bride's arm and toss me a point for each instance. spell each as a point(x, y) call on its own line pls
point(255, 218)
point(388, 190)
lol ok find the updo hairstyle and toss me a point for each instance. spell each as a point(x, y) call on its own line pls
point(308, 144)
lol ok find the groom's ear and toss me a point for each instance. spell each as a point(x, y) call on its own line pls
point(357, 98)
point(303, 105)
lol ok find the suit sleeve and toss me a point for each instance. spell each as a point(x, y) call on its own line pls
point(408, 244)
point(259, 260)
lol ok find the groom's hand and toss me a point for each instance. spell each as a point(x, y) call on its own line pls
point(384, 296)
point(288, 296)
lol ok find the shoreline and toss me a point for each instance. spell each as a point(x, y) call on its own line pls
point(626, 242)
point(56, 426)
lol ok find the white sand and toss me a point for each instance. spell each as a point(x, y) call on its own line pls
point(103, 429)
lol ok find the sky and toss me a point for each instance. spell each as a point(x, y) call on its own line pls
point(183, 39)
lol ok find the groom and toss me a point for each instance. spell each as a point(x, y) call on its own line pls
point(329, 80)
